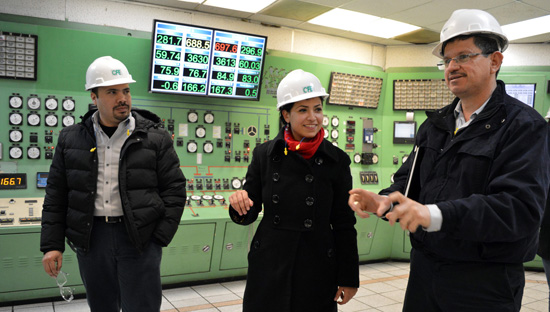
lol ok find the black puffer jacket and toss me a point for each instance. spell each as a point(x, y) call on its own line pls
point(152, 186)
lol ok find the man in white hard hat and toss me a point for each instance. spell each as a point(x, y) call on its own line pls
point(116, 192)
point(479, 177)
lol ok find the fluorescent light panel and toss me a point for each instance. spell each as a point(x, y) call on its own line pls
point(527, 28)
point(362, 23)
point(251, 6)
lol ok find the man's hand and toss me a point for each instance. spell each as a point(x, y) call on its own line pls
point(52, 262)
point(408, 212)
point(362, 201)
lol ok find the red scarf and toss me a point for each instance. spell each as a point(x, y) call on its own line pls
point(305, 148)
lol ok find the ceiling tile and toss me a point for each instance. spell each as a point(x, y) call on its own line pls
point(294, 9)
point(382, 8)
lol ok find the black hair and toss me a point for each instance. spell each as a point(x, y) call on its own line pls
point(95, 91)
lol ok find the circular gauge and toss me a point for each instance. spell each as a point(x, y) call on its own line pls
point(51, 104)
point(404, 158)
point(374, 158)
point(335, 143)
point(208, 117)
point(33, 152)
point(16, 119)
point(334, 134)
point(192, 116)
point(67, 120)
point(244, 181)
point(391, 178)
point(16, 102)
point(68, 105)
point(33, 119)
point(218, 197)
point(326, 134)
point(16, 135)
point(357, 158)
point(33, 103)
point(325, 121)
point(196, 198)
point(51, 120)
point(16, 152)
point(206, 197)
point(335, 122)
point(200, 132)
point(192, 147)
point(208, 147)
point(236, 183)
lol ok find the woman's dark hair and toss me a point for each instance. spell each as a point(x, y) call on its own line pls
point(287, 107)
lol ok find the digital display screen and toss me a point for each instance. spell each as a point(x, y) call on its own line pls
point(41, 179)
point(201, 61)
point(13, 181)
point(524, 92)
point(404, 132)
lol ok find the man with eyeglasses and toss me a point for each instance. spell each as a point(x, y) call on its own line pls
point(475, 184)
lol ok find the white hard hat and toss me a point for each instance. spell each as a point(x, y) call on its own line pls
point(107, 71)
point(471, 21)
point(297, 86)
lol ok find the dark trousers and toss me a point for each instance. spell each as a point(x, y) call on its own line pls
point(436, 285)
point(116, 275)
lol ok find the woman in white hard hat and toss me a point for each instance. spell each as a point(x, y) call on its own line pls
point(303, 256)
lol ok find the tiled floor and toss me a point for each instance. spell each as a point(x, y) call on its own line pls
point(382, 289)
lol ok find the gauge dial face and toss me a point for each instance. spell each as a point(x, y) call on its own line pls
point(33, 152)
point(33, 103)
point(68, 120)
point(357, 158)
point(200, 132)
point(33, 119)
point(51, 120)
point(218, 197)
point(16, 118)
point(16, 152)
point(208, 147)
point(16, 135)
point(326, 134)
point(192, 147)
point(404, 158)
point(334, 134)
point(374, 159)
point(192, 117)
point(236, 183)
point(68, 105)
point(335, 143)
point(206, 197)
point(16, 102)
point(335, 122)
point(196, 197)
point(51, 104)
point(325, 121)
point(208, 118)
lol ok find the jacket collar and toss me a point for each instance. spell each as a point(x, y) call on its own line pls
point(277, 146)
point(444, 118)
point(144, 118)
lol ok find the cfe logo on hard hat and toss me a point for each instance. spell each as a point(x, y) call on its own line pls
point(116, 72)
point(307, 89)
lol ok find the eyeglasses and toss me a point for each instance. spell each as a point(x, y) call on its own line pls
point(461, 59)
point(66, 292)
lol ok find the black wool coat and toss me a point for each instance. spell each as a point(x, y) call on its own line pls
point(306, 243)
